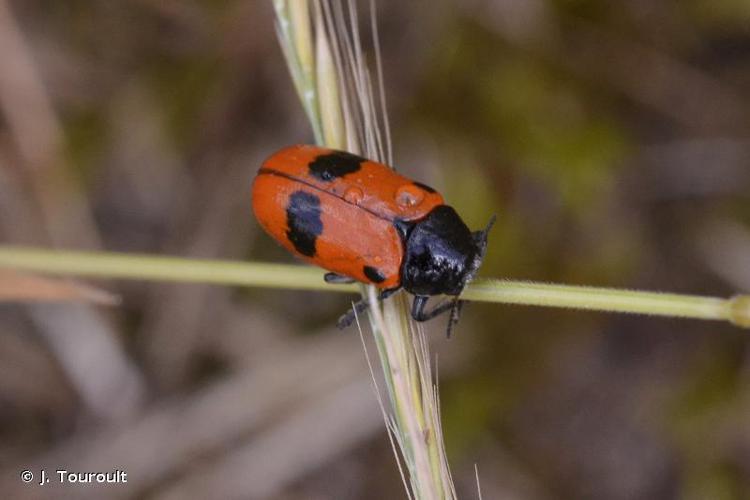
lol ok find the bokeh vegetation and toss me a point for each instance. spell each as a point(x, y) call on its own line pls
point(609, 137)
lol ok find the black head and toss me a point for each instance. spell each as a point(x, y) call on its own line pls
point(442, 254)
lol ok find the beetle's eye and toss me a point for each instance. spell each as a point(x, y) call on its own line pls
point(409, 195)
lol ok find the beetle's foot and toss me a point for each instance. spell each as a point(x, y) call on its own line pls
point(349, 316)
point(359, 307)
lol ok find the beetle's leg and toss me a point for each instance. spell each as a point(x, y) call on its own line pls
point(418, 308)
point(348, 317)
point(361, 306)
point(419, 314)
point(337, 278)
point(455, 314)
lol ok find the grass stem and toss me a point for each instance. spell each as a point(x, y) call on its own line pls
point(285, 276)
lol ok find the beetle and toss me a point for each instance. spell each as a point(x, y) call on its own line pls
point(362, 221)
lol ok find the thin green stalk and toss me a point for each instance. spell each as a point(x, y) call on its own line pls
point(159, 268)
point(598, 299)
point(281, 276)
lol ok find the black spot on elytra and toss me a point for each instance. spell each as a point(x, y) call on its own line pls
point(425, 187)
point(374, 274)
point(303, 221)
point(334, 165)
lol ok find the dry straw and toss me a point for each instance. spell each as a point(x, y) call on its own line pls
point(342, 106)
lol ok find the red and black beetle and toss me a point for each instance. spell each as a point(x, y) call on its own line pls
point(364, 222)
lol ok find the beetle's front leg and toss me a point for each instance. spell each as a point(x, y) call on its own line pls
point(419, 314)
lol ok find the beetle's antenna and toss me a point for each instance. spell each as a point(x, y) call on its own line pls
point(485, 232)
point(480, 240)
point(490, 224)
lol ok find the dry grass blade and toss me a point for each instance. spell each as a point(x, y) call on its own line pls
point(22, 287)
point(351, 115)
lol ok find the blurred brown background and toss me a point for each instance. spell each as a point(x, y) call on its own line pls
point(609, 137)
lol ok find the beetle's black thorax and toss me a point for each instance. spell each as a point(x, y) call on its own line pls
point(441, 254)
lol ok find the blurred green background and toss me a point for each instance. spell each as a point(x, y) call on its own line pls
point(610, 138)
